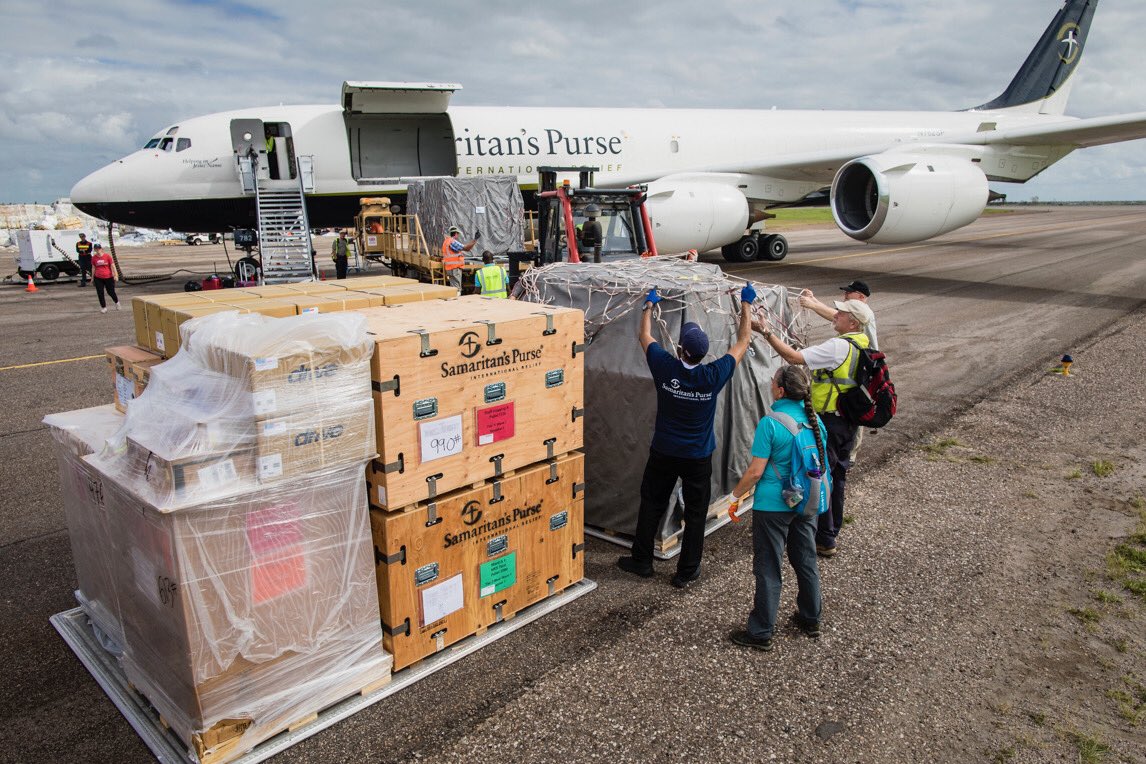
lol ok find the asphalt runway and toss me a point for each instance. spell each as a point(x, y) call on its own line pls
point(959, 317)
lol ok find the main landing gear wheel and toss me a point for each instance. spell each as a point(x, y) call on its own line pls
point(774, 247)
point(743, 251)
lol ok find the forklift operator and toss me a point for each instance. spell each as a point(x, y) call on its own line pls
point(591, 237)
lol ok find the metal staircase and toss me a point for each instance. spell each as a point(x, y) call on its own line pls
point(284, 231)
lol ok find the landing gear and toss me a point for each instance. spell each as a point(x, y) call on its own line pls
point(774, 247)
point(745, 250)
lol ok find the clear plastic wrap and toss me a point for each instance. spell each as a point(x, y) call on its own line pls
point(239, 533)
point(77, 434)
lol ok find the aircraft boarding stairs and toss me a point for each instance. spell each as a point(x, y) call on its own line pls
point(284, 229)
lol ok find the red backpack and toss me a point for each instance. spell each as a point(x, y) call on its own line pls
point(872, 402)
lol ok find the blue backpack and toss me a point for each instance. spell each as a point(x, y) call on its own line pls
point(808, 489)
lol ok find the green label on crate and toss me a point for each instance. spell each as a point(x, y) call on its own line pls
point(498, 574)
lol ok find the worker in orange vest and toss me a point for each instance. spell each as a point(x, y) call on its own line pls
point(452, 255)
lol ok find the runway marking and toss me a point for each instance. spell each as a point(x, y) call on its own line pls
point(49, 363)
point(920, 245)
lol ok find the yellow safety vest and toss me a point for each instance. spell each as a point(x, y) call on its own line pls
point(827, 384)
point(493, 281)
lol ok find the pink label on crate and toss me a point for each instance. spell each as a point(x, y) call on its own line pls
point(276, 574)
point(272, 528)
point(494, 423)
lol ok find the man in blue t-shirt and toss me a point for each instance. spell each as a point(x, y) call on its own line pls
point(683, 439)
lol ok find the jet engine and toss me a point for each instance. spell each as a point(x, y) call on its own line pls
point(695, 215)
point(901, 198)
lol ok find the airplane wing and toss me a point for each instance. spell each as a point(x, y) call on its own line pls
point(1081, 133)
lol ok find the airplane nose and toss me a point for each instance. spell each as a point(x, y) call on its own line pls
point(93, 189)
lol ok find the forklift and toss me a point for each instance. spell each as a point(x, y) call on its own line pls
point(562, 212)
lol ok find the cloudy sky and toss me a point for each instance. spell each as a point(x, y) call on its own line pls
point(84, 83)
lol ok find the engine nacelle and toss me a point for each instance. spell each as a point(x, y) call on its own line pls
point(901, 198)
point(695, 215)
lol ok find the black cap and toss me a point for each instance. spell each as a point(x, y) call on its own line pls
point(857, 286)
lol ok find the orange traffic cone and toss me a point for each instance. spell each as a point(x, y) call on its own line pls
point(31, 285)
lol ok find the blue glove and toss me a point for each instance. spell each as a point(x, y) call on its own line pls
point(653, 298)
point(748, 294)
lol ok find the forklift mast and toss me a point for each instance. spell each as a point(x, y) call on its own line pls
point(557, 206)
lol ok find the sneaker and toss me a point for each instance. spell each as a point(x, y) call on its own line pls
point(682, 582)
point(629, 565)
point(117, 306)
point(825, 551)
point(103, 310)
point(810, 628)
point(745, 639)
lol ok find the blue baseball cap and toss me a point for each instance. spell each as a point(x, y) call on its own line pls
point(693, 340)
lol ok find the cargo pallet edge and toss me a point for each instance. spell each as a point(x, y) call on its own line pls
point(75, 630)
point(668, 548)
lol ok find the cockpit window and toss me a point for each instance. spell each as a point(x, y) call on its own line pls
point(165, 144)
point(151, 143)
point(173, 130)
point(183, 143)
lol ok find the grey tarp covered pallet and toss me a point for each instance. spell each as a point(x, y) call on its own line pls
point(491, 204)
point(73, 626)
point(620, 402)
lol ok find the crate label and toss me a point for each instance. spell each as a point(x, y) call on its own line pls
point(305, 311)
point(372, 241)
point(440, 600)
point(266, 364)
point(498, 574)
point(124, 389)
point(494, 423)
point(159, 342)
point(274, 428)
point(440, 437)
point(264, 401)
point(278, 560)
point(218, 474)
point(270, 466)
point(381, 495)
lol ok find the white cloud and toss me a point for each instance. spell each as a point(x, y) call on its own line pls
point(86, 82)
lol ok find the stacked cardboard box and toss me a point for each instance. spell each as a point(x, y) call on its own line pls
point(477, 495)
point(247, 599)
point(158, 317)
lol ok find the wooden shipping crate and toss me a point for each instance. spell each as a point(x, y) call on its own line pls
point(363, 282)
point(452, 568)
point(470, 389)
point(122, 359)
point(397, 294)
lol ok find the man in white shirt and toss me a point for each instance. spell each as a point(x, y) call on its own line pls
point(856, 290)
point(833, 365)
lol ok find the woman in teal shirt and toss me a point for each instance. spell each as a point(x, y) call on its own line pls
point(774, 524)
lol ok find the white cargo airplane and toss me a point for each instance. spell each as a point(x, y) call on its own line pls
point(894, 177)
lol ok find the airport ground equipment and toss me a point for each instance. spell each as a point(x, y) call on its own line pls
point(561, 210)
point(279, 181)
point(48, 254)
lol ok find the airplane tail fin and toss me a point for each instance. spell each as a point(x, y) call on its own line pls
point(1043, 82)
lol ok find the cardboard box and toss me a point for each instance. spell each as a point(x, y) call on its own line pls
point(246, 615)
point(314, 287)
point(477, 556)
point(122, 360)
point(270, 307)
point(166, 477)
point(141, 374)
point(311, 440)
point(173, 316)
point(146, 312)
point(364, 282)
point(471, 389)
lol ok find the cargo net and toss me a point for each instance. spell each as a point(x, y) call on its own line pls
point(608, 293)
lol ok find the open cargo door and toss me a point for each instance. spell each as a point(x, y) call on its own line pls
point(399, 130)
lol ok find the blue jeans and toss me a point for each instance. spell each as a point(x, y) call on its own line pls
point(771, 533)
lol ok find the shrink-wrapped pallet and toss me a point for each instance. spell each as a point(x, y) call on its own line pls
point(77, 434)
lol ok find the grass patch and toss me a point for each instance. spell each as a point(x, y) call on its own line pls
point(1074, 474)
point(1102, 468)
point(1086, 614)
point(1038, 718)
point(939, 447)
point(1091, 750)
point(848, 519)
point(1121, 645)
point(1107, 597)
point(982, 459)
point(1138, 502)
point(1130, 707)
point(1003, 755)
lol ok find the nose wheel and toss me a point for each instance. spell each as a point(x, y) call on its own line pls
point(247, 269)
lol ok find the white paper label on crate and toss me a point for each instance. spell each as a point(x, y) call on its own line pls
point(124, 389)
point(270, 466)
point(274, 428)
point(479, 210)
point(308, 310)
point(440, 437)
point(440, 600)
point(218, 474)
point(264, 401)
point(159, 342)
point(266, 364)
point(372, 241)
point(382, 495)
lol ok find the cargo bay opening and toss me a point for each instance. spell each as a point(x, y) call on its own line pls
point(399, 130)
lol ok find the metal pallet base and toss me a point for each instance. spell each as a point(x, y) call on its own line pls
point(73, 627)
point(627, 542)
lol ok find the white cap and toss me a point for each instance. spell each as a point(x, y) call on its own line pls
point(860, 311)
